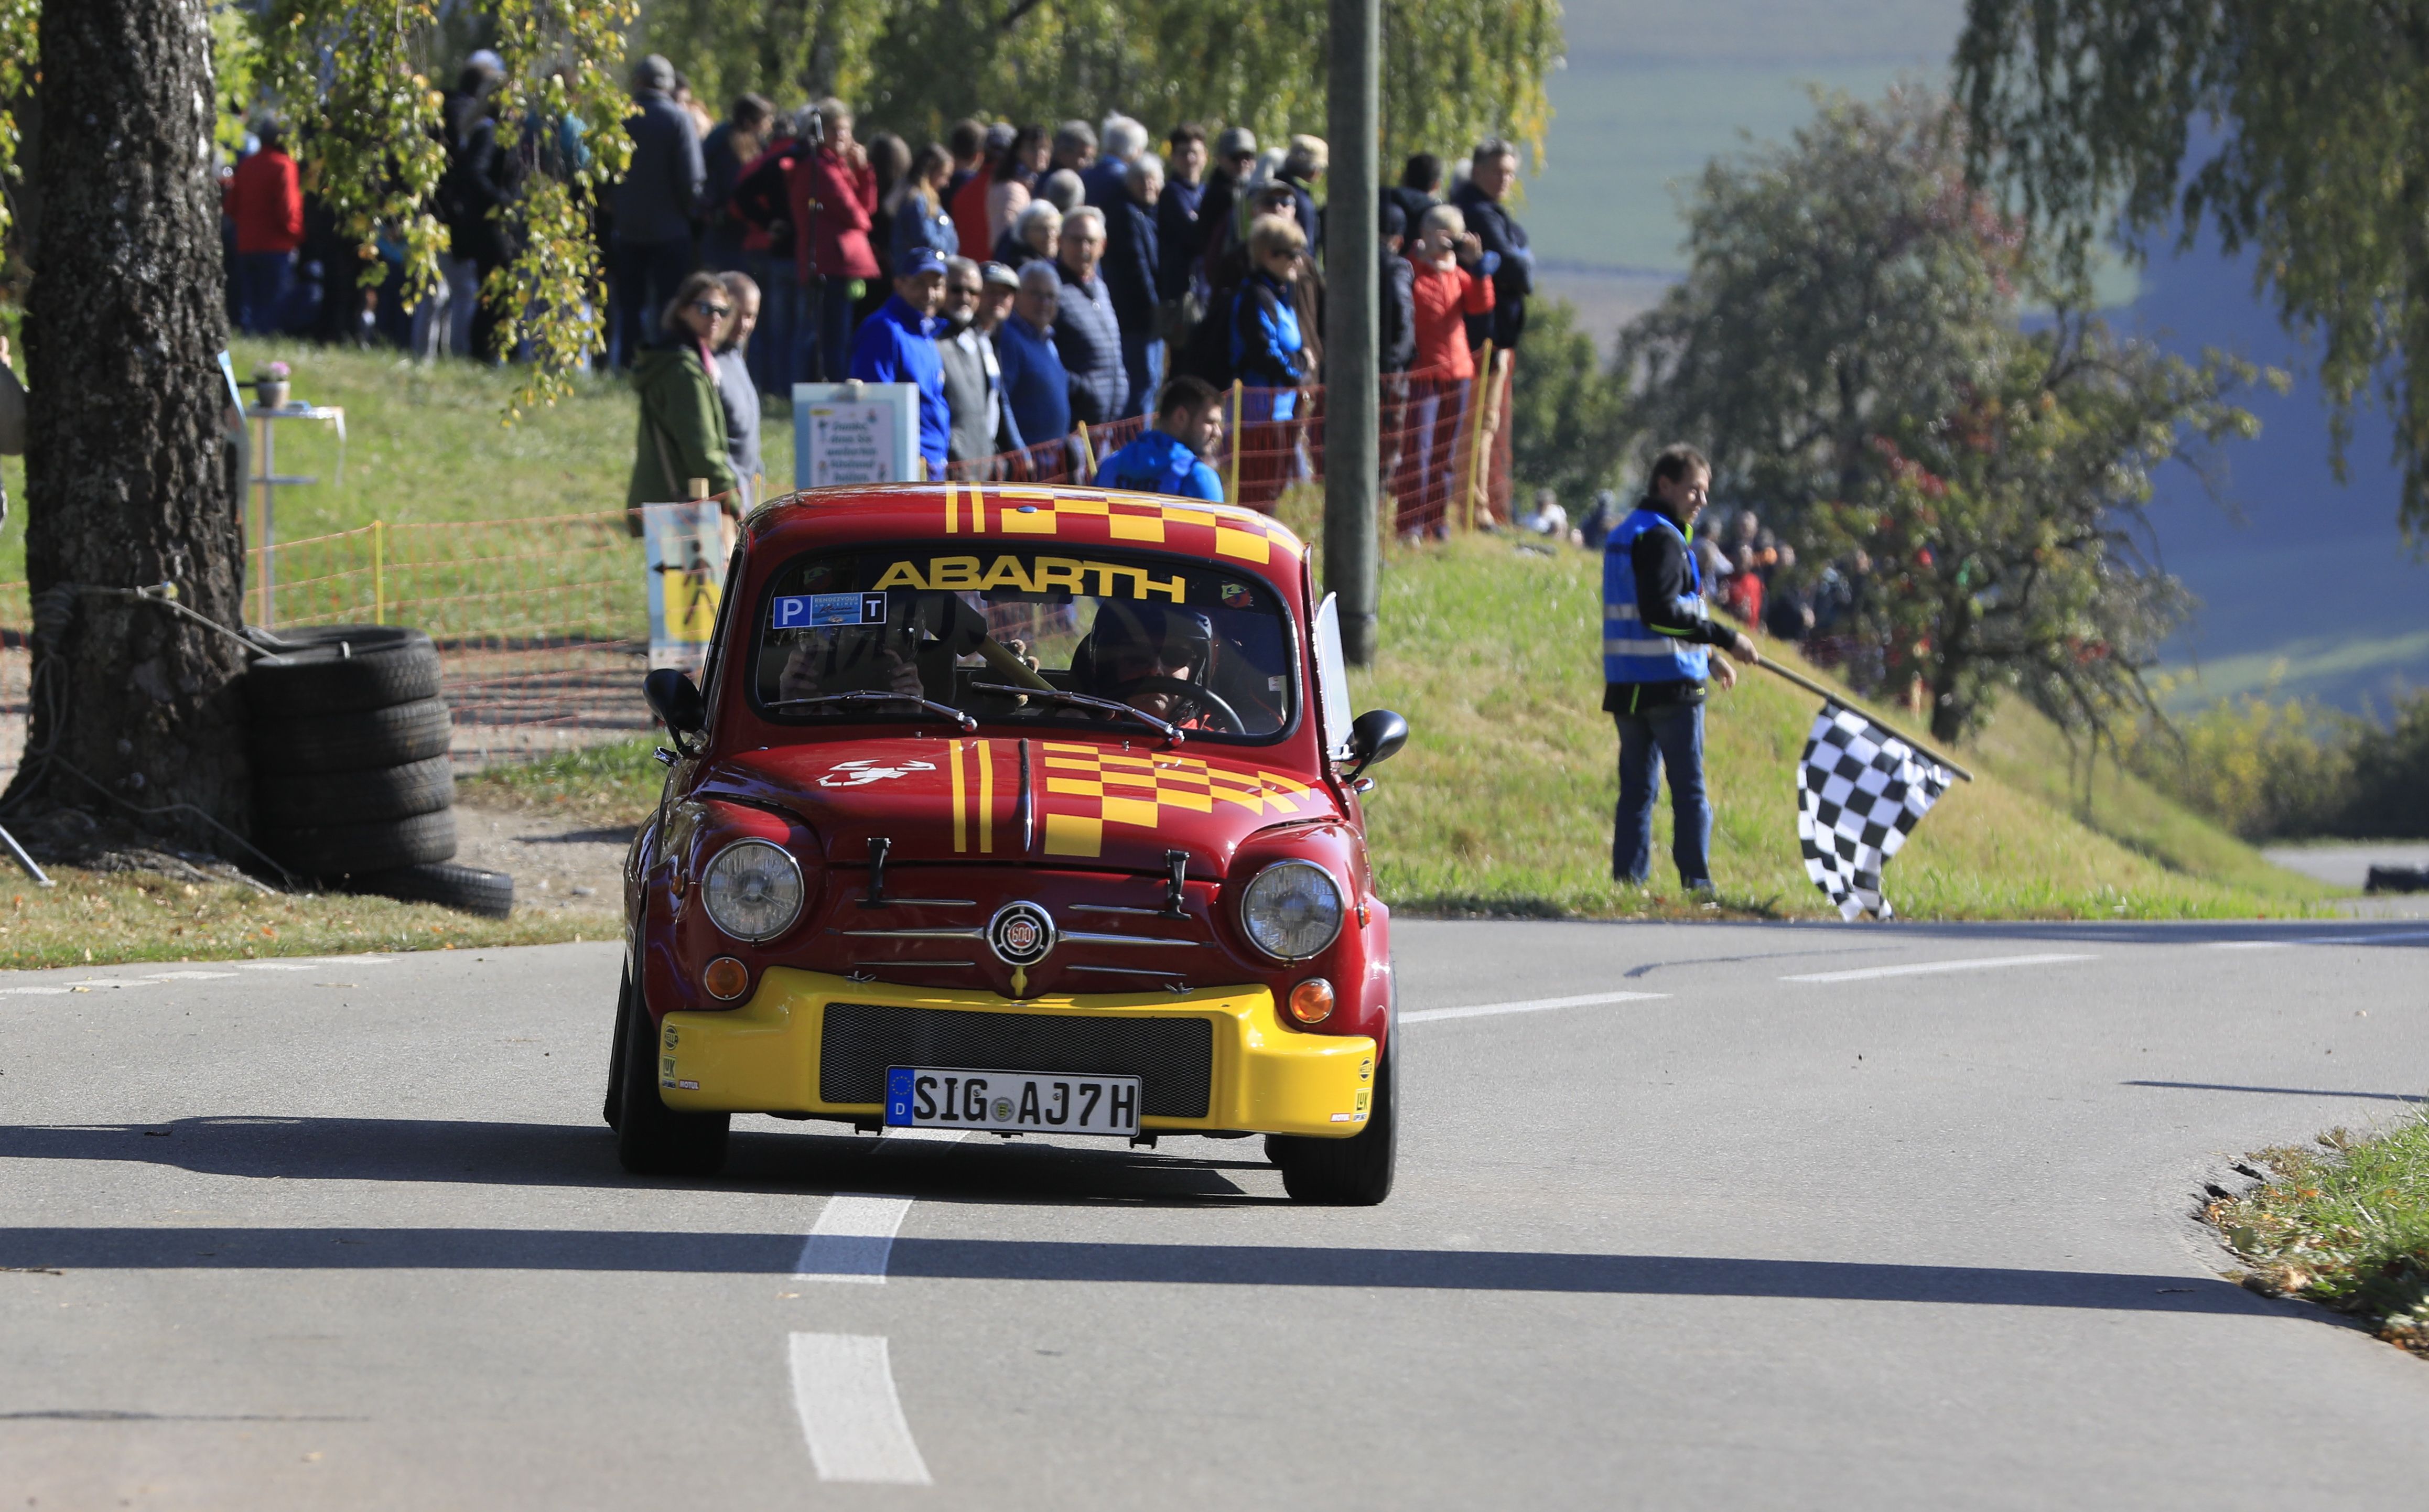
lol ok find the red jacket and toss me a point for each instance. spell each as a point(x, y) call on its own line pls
point(1444, 302)
point(970, 217)
point(266, 203)
point(846, 198)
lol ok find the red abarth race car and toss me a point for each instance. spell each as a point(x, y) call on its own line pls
point(1020, 811)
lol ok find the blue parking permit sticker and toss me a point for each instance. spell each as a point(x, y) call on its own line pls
point(812, 611)
point(898, 1096)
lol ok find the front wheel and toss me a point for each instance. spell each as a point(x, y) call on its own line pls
point(653, 1140)
point(1351, 1172)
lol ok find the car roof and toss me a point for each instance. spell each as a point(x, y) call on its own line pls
point(1029, 515)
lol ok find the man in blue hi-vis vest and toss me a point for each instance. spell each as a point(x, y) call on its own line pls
point(1656, 653)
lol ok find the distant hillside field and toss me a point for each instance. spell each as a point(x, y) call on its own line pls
point(1502, 801)
point(2303, 580)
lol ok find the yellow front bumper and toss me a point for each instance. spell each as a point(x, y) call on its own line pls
point(763, 1056)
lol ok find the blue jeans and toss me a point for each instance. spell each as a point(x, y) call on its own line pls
point(836, 329)
point(771, 357)
point(1673, 735)
point(262, 280)
point(1138, 370)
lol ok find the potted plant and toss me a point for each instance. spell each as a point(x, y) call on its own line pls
point(270, 385)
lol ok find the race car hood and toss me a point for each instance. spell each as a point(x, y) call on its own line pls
point(1093, 805)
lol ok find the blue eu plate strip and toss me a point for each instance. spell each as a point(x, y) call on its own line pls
point(812, 611)
point(897, 1097)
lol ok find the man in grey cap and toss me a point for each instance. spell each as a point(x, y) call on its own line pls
point(652, 248)
point(1235, 158)
point(983, 427)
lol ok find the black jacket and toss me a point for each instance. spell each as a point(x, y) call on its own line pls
point(660, 192)
point(1512, 282)
point(1413, 204)
point(1179, 236)
point(1398, 307)
point(1131, 265)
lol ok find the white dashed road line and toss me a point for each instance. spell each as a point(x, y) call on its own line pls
point(1534, 1005)
point(843, 1384)
point(851, 1239)
point(1925, 968)
point(854, 1233)
point(852, 1416)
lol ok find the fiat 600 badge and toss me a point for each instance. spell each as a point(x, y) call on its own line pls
point(1023, 811)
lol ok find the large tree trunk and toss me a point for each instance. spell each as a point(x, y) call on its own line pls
point(125, 474)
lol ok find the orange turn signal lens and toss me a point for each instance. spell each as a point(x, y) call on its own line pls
point(726, 977)
point(1311, 1001)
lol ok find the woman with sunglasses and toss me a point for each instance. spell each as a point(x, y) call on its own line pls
point(682, 432)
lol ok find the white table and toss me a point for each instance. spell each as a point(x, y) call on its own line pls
point(268, 480)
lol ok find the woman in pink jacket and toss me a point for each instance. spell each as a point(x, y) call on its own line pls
point(835, 195)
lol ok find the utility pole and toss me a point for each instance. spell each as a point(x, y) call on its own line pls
point(1352, 343)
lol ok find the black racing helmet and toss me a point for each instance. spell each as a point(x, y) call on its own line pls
point(1177, 636)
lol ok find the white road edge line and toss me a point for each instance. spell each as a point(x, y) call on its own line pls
point(1922, 968)
point(1535, 1005)
point(852, 1416)
point(2319, 939)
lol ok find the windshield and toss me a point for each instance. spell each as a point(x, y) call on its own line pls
point(1026, 637)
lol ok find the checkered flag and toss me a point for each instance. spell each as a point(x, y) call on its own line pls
point(1860, 790)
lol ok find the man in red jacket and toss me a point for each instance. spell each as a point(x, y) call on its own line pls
point(266, 202)
point(835, 195)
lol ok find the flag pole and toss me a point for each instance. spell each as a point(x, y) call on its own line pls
point(1829, 696)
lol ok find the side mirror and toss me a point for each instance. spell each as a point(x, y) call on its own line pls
point(674, 700)
point(1374, 736)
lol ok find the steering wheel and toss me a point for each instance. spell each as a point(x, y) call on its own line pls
point(1206, 699)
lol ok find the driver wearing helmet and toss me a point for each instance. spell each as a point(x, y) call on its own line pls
point(1142, 655)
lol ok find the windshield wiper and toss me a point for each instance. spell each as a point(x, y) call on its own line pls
point(873, 695)
point(1169, 731)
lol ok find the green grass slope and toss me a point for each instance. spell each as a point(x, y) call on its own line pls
point(428, 443)
point(1502, 800)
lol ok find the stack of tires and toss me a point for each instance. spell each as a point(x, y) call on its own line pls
point(351, 781)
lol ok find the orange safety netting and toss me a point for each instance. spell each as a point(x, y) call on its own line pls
point(1445, 450)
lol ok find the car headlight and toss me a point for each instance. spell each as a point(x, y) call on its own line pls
point(752, 890)
point(1291, 909)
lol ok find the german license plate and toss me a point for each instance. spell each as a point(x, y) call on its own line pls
point(1035, 1102)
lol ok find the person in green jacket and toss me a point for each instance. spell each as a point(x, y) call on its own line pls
point(682, 434)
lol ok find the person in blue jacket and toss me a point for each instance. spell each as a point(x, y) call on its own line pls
point(1269, 350)
point(1657, 651)
point(1034, 382)
point(897, 345)
point(1170, 456)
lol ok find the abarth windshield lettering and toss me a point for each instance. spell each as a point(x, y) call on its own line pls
point(1052, 639)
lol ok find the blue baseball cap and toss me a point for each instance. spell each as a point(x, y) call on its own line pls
point(919, 260)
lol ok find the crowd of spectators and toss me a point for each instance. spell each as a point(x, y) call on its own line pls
point(1056, 277)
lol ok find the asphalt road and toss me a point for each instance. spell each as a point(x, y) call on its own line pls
point(1795, 1231)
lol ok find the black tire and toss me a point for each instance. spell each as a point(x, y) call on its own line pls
point(653, 1140)
point(613, 1109)
point(340, 669)
point(1352, 1173)
point(304, 800)
point(489, 894)
point(352, 742)
point(359, 849)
